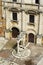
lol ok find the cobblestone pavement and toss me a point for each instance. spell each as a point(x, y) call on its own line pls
point(36, 52)
point(36, 55)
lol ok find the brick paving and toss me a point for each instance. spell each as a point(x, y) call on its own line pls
point(5, 53)
point(3, 41)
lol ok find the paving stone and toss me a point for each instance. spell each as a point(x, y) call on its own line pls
point(40, 62)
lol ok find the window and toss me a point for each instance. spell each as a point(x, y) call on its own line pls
point(37, 1)
point(31, 38)
point(15, 32)
point(14, 0)
point(14, 16)
point(42, 40)
point(31, 19)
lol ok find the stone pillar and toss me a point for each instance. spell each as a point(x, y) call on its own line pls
point(17, 46)
point(24, 40)
point(39, 38)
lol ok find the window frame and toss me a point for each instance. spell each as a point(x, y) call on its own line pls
point(14, 0)
point(37, 1)
point(30, 19)
point(13, 16)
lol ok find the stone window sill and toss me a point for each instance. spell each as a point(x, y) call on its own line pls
point(32, 24)
point(14, 21)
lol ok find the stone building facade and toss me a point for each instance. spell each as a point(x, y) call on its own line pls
point(24, 16)
point(2, 21)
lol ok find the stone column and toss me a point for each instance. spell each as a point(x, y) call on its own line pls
point(17, 46)
point(24, 40)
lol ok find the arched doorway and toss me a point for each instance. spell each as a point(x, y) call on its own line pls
point(15, 32)
point(31, 38)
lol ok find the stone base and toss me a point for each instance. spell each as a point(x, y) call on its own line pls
point(22, 54)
